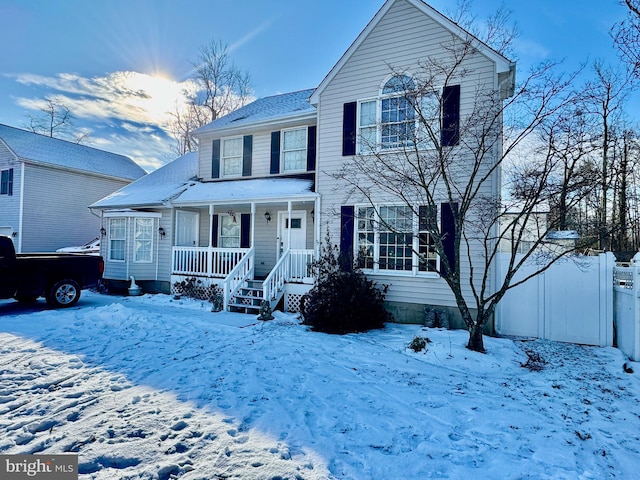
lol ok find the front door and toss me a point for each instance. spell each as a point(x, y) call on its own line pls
point(297, 224)
point(187, 228)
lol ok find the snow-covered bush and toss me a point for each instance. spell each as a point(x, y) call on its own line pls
point(343, 301)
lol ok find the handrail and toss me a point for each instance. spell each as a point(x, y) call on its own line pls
point(293, 265)
point(237, 276)
point(277, 277)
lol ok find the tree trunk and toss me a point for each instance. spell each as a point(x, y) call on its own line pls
point(476, 341)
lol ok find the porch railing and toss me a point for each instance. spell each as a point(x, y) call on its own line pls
point(293, 265)
point(206, 261)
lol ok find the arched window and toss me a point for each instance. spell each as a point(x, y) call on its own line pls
point(389, 121)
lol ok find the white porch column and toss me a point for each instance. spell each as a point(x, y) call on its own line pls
point(210, 249)
point(289, 210)
point(253, 223)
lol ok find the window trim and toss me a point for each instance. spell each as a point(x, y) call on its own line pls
point(224, 158)
point(123, 240)
point(6, 185)
point(377, 230)
point(305, 144)
point(222, 237)
point(417, 125)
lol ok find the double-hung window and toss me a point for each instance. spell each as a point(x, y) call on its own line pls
point(143, 237)
point(389, 121)
point(294, 149)
point(393, 238)
point(117, 238)
point(229, 232)
point(6, 182)
point(231, 157)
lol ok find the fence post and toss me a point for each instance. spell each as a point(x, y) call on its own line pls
point(606, 264)
point(635, 269)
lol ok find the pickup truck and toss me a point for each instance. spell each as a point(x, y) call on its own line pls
point(59, 277)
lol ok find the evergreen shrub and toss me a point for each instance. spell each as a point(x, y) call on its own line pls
point(343, 301)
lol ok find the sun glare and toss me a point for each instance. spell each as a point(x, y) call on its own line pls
point(157, 94)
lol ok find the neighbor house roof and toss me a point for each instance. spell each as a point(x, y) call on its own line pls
point(35, 148)
point(157, 187)
point(267, 109)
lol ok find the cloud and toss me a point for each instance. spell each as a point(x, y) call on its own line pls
point(131, 96)
point(126, 112)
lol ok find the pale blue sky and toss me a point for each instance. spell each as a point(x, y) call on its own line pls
point(79, 49)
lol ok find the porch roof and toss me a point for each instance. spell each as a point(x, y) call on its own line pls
point(259, 190)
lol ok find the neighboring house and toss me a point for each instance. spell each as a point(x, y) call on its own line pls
point(535, 232)
point(47, 184)
point(257, 199)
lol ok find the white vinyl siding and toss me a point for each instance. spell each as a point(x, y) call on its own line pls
point(403, 39)
point(55, 206)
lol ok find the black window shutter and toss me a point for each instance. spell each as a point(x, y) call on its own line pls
point(245, 230)
point(448, 233)
point(214, 230)
point(349, 113)
point(247, 149)
point(311, 149)
point(450, 133)
point(275, 152)
point(215, 159)
point(10, 189)
point(346, 237)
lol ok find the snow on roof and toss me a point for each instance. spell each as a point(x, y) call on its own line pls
point(255, 189)
point(38, 148)
point(155, 188)
point(265, 109)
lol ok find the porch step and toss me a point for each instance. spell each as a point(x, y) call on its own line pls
point(248, 299)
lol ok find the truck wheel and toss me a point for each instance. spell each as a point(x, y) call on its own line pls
point(64, 293)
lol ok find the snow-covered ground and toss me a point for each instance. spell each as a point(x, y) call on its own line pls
point(152, 388)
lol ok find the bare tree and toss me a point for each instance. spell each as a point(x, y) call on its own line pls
point(220, 87)
point(626, 35)
point(604, 100)
point(435, 165)
point(56, 121)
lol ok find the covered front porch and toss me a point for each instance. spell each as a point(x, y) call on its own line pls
point(245, 250)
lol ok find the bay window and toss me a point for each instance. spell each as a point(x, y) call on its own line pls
point(117, 238)
point(143, 235)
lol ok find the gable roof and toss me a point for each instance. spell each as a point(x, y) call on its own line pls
point(278, 107)
point(40, 149)
point(157, 187)
point(502, 64)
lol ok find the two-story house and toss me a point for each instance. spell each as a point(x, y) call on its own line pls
point(258, 197)
point(46, 185)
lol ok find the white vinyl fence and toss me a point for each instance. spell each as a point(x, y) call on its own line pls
point(626, 287)
point(572, 302)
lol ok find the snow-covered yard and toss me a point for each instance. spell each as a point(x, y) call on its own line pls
point(153, 388)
